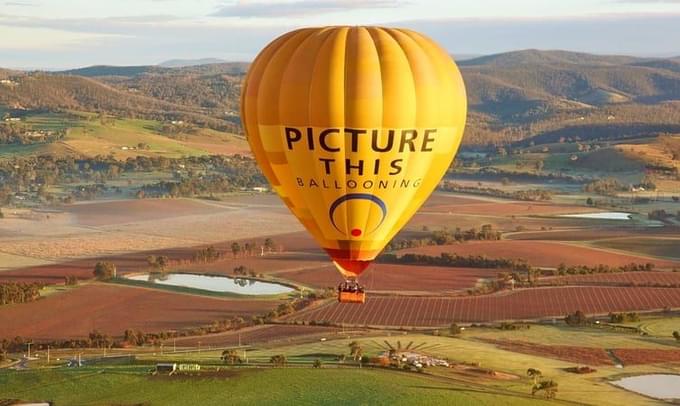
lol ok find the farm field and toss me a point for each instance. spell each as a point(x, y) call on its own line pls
point(87, 135)
point(516, 305)
point(671, 279)
point(504, 208)
point(590, 389)
point(594, 234)
point(397, 278)
point(579, 355)
point(283, 386)
point(541, 253)
point(593, 356)
point(560, 334)
point(104, 213)
point(113, 308)
point(655, 246)
point(658, 326)
point(105, 228)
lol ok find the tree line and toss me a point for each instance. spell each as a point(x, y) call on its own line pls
point(446, 236)
point(530, 195)
point(454, 260)
point(193, 175)
point(19, 134)
point(12, 292)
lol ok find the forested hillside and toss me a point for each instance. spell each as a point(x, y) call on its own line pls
point(516, 97)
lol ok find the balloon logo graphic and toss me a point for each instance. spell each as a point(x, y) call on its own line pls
point(357, 232)
point(354, 127)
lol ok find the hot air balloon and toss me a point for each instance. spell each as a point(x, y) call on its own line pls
point(354, 127)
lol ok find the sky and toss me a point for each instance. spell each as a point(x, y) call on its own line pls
point(58, 34)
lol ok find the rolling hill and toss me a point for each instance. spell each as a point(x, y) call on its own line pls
point(69, 92)
point(181, 63)
point(514, 97)
point(539, 57)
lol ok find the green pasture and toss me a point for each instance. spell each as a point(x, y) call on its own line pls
point(282, 386)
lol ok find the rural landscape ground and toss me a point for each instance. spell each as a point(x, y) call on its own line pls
point(557, 252)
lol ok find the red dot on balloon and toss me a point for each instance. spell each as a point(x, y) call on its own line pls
point(356, 232)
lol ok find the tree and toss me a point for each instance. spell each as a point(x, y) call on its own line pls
point(577, 318)
point(549, 388)
point(355, 350)
point(538, 165)
point(70, 280)
point(534, 374)
point(455, 329)
point(231, 357)
point(279, 360)
point(676, 335)
point(317, 363)
point(235, 248)
point(162, 262)
point(268, 244)
point(158, 262)
point(104, 270)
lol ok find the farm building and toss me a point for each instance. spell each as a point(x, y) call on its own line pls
point(165, 368)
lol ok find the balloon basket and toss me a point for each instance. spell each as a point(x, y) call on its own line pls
point(351, 292)
point(350, 297)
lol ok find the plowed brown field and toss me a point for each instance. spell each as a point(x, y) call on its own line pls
point(112, 309)
point(540, 253)
point(523, 304)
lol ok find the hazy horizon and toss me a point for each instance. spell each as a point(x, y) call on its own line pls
point(217, 59)
point(74, 33)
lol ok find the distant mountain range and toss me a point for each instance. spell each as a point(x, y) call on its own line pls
point(513, 96)
point(181, 63)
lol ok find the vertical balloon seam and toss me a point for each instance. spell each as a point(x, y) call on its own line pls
point(351, 33)
point(430, 163)
point(362, 245)
point(399, 224)
point(435, 53)
point(407, 157)
point(304, 197)
point(431, 60)
point(309, 99)
point(264, 84)
point(374, 33)
point(257, 70)
point(365, 228)
point(343, 175)
point(251, 138)
point(425, 44)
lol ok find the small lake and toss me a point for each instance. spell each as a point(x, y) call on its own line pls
point(604, 215)
point(659, 386)
point(214, 283)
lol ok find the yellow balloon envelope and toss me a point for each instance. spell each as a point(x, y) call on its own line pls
point(354, 127)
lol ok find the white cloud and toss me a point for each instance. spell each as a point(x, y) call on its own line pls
point(299, 8)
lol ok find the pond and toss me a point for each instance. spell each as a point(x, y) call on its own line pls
point(214, 283)
point(659, 386)
point(604, 215)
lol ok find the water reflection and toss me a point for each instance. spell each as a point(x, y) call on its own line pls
point(211, 283)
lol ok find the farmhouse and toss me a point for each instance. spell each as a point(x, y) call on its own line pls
point(165, 368)
point(188, 367)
